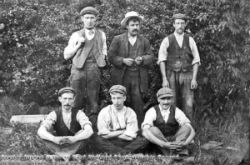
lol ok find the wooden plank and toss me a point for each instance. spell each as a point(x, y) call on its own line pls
point(27, 119)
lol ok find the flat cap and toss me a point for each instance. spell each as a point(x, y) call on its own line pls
point(118, 88)
point(165, 92)
point(66, 90)
point(89, 10)
point(179, 16)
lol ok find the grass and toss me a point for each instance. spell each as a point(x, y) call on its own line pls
point(233, 133)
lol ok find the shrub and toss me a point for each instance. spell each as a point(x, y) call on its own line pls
point(35, 34)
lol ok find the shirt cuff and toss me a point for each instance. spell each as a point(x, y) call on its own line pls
point(103, 132)
point(160, 60)
point(130, 133)
point(196, 61)
point(146, 124)
point(83, 125)
point(185, 122)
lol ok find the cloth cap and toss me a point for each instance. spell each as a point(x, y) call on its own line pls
point(89, 10)
point(66, 90)
point(165, 92)
point(129, 15)
point(118, 88)
point(179, 16)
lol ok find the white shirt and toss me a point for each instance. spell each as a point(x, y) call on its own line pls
point(150, 116)
point(89, 34)
point(81, 118)
point(163, 54)
point(109, 119)
point(132, 40)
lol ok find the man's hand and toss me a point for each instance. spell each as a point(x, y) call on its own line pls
point(70, 139)
point(79, 42)
point(125, 137)
point(64, 140)
point(121, 131)
point(128, 61)
point(181, 144)
point(138, 60)
point(165, 82)
point(170, 145)
point(194, 84)
point(58, 139)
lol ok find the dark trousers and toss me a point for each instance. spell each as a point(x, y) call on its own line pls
point(180, 82)
point(134, 98)
point(181, 135)
point(86, 82)
point(119, 146)
point(65, 149)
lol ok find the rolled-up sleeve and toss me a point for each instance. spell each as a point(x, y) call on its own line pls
point(162, 54)
point(131, 124)
point(150, 117)
point(73, 39)
point(104, 49)
point(103, 122)
point(195, 52)
point(49, 121)
point(180, 117)
point(82, 119)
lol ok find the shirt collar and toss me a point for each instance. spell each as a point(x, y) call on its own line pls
point(89, 31)
point(123, 109)
point(132, 37)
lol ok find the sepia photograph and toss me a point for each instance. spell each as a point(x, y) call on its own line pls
point(130, 82)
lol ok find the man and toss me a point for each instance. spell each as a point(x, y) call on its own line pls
point(179, 60)
point(117, 126)
point(65, 131)
point(166, 125)
point(87, 48)
point(131, 56)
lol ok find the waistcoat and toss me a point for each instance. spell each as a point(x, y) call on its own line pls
point(179, 58)
point(132, 53)
point(94, 46)
point(170, 127)
point(61, 128)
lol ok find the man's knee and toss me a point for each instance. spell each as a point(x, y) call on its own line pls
point(184, 130)
point(155, 131)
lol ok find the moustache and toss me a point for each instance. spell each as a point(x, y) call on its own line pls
point(135, 30)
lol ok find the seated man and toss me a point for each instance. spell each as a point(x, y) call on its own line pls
point(117, 126)
point(65, 130)
point(166, 125)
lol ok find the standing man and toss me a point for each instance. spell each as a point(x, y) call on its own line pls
point(166, 125)
point(87, 48)
point(117, 126)
point(179, 60)
point(65, 131)
point(131, 57)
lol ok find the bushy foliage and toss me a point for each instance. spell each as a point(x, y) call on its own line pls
point(36, 33)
